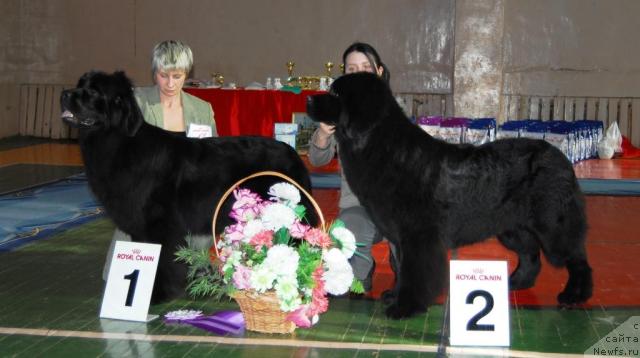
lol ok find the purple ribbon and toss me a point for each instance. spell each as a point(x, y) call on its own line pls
point(222, 323)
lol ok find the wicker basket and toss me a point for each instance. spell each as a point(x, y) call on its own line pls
point(262, 311)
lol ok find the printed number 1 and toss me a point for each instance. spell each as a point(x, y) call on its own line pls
point(133, 277)
point(473, 325)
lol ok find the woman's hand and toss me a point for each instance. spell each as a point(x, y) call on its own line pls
point(325, 131)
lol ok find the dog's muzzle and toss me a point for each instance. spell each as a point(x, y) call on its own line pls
point(72, 120)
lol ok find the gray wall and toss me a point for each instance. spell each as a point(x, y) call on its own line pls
point(578, 47)
point(544, 47)
point(475, 49)
point(245, 40)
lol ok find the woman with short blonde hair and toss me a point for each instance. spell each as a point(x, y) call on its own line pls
point(167, 106)
point(171, 55)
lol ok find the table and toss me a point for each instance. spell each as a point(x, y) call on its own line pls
point(251, 112)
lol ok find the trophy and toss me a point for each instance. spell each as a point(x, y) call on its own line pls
point(217, 77)
point(342, 68)
point(290, 65)
point(328, 66)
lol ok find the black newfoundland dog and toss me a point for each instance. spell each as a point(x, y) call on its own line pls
point(427, 196)
point(160, 186)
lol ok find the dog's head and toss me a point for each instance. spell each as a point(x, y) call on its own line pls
point(102, 101)
point(355, 104)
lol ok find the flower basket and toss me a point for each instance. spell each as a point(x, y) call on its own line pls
point(279, 285)
point(262, 312)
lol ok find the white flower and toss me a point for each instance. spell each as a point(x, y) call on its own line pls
point(282, 260)
point(277, 215)
point(183, 314)
point(347, 240)
point(338, 275)
point(334, 258)
point(262, 278)
point(286, 192)
point(234, 259)
point(287, 288)
point(290, 305)
point(252, 228)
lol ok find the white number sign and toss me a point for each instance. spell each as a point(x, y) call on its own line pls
point(130, 281)
point(479, 303)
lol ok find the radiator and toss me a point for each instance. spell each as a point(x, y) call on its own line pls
point(39, 112)
point(624, 110)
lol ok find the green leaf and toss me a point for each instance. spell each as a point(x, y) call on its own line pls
point(281, 236)
point(363, 256)
point(203, 279)
point(300, 211)
point(336, 223)
point(356, 286)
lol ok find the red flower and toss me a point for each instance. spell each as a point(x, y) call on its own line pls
point(317, 237)
point(319, 301)
point(263, 238)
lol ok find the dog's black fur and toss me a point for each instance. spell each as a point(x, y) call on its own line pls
point(427, 196)
point(159, 186)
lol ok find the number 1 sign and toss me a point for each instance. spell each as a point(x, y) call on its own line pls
point(479, 303)
point(130, 281)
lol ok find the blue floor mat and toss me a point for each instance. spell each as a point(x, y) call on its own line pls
point(325, 181)
point(615, 187)
point(39, 212)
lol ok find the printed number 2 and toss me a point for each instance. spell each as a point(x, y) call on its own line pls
point(473, 325)
point(133, 277)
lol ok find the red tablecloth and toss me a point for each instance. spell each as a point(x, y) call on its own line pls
point(251, 112)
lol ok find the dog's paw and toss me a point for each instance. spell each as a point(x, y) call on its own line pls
point(398, 311)
point(388, 297)
point(574, 297)
point(578, 290)
point(157, 299)
point(520, 279)
point(517, 284)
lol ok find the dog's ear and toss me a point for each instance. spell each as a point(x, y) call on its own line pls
point(126, 115)
point(125, 112)
point(123, 80)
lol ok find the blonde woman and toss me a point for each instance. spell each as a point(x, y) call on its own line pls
point(167, 106)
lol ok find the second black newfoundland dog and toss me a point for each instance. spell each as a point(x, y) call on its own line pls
point(160, 186)
point(427, 196)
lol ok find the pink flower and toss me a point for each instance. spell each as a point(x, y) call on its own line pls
point(245, 213)
point(298, 229)
point(233, 233)
point(247, 206)
point(319, 304)
point(319, 301)
point(317, 237)
point(244, 197)
point(241, 277)
point(263, 238)
point(317, 278)
point(300, 317)
point(225, 253)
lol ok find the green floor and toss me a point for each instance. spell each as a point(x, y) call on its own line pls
point(51, 291)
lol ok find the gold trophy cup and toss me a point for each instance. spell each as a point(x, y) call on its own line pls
point(328, 66)
point(290, 65)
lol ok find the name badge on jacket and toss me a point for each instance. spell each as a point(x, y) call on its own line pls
point(199, 131)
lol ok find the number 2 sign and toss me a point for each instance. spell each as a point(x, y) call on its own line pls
point(479, 303)
point(130, 281)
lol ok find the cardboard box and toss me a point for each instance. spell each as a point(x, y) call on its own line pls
point(287, 138)
point(286, 128)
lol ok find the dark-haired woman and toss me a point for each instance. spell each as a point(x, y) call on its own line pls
point(359, 57)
